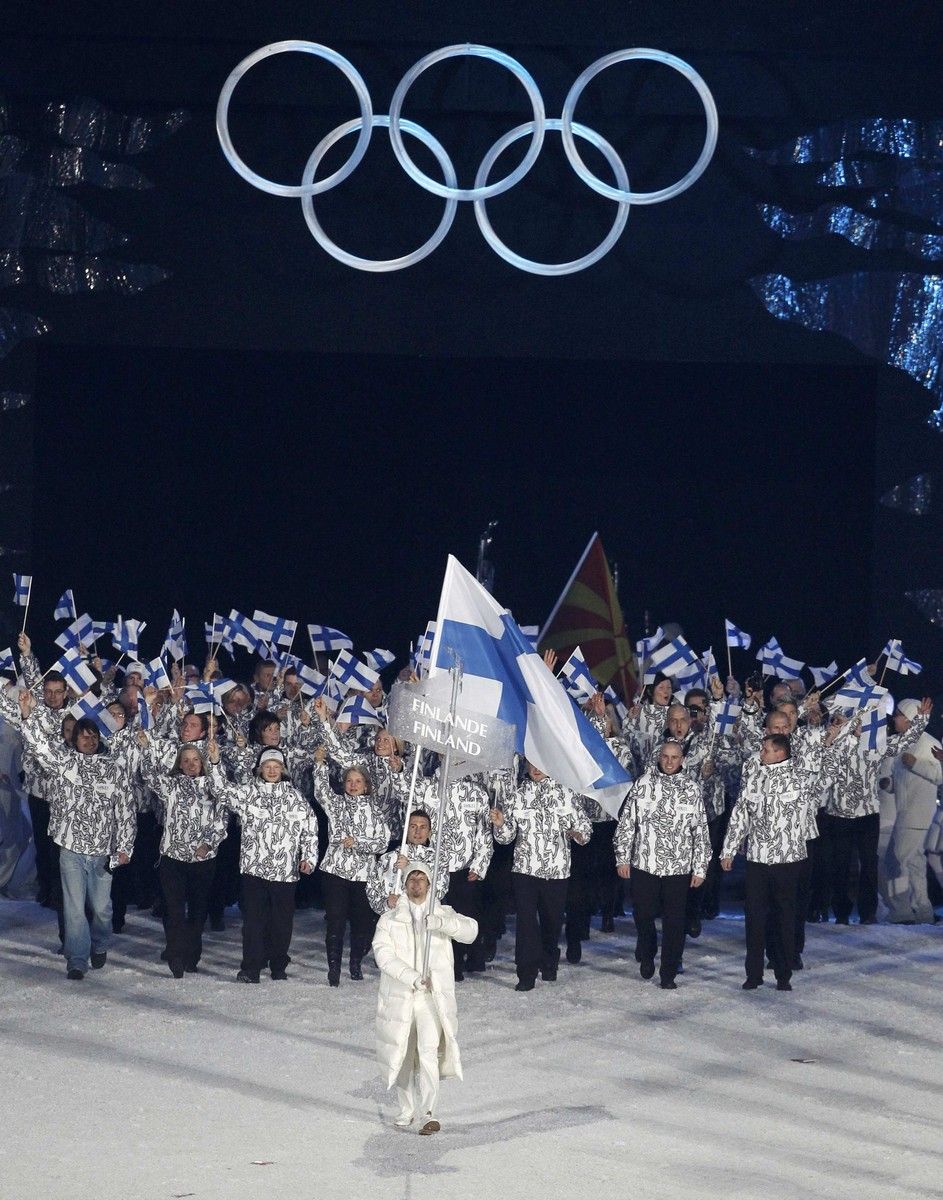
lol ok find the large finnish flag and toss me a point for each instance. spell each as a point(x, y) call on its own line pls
point(503, 676)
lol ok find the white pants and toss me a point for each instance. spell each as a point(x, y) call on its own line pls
point(908, 898)
point(417, 1084)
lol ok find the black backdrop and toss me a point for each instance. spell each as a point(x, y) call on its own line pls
point(271, 428)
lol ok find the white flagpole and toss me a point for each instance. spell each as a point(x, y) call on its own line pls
point(417, 755)
point(444, 767)
point(29, 592)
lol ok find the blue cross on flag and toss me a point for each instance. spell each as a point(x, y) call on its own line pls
point(244, 631)
point(6, 660)
point(873, 733)
point(127, 634)
point(65, 607)
point(737, 639)
point(76, 671)
point(898, 661)
point(821, 675)
point(92, 706)
point(324, 638)
point(350, 671)
point(726, 718)
point(21, 589)
point(277, 631)
point(379, 659)
point(155, 674)
point(647, 645)
point(357, 710)
point(201, 697)
point(671, 659)
point(577, 678)
point(311, 681)
point(505, 677)
point(78, 633)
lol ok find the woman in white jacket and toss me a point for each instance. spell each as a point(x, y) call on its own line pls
point(417, 1019)
point(917, 778)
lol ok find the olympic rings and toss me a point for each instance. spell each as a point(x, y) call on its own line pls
point(528, 264)
point(449, 190)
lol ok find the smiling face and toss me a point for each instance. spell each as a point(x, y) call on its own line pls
point(383, 744)
point(418, 830)
point(191, 728)
point(87, 741)
point(661, 692)
point(355, 782)
point(54, 692)
point(670, 758)
point(417, 886)
point(271, 771)
point(190, 764)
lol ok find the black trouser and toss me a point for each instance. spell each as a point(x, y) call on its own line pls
point(268, 911)
point(852, 835)
point(710, 900)
point(226, 880)
point(122, 893)
point(803, 895)
point(668, 895)
point(770, 892)
point(496, 894)
point(186, 889)
point(346, 899)
point(579, 892)
point(47, 854)
point(540, 904)
point(821, 884)
point(605, 879)
point(465, 898)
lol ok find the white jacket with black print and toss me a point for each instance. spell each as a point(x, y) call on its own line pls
point(594, 810)
point(467, 844)
point(189, 813)
point(348, 750)
point(538, 818)
point(358, 817)
point(774, 813)
point(383, 883)
point(854, 772)
point(643, 731)
point(36, 780)
point(91, 806)
point(279, 828)
point(663, 827)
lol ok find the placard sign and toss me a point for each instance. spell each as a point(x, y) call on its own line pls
point(419, 713)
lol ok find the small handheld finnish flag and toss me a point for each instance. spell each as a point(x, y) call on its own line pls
point(647, 645)
point(577, 678)
point(144, 713)
point(215, 630)
point(201, 698)
point(6, 660)
point(873, 733)
point(65, 607)
point(350, 671)
point(324, 638)
point(312, 681)
point(898, 661)
point(91, 706)
point(277, 631)
point(821, 675)
point(75, 670)
point(127, 634)
point(378, 659)
point(156, 674)
point(357, 710)
point(21, 589)
point(726, 718)
point(737, 639)
point(671, 659)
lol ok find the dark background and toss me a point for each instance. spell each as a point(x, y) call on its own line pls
point(270, 428)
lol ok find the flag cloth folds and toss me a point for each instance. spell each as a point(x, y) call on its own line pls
point(324, 638)
point(21, 589)
point(737, 639)
point(503, 676)
point(588, 615)
point(6, 660)
point(65, 607)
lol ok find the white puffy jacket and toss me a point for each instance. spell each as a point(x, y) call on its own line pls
point(396, 951)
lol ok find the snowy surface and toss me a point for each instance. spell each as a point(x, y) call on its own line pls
point(132, 1084)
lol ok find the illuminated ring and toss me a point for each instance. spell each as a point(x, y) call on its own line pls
point(475, 193)
point(577, 264)
point(606, 189)
point(269, 185)
point(378, 264)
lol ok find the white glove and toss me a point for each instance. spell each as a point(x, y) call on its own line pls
point(421, 986)
point(435, 921)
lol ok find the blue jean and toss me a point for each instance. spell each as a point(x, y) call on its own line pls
point(86, 884)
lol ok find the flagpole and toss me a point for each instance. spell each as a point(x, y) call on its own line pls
point(729, 662)
point(831, 683)
point(417, 755)
point(887, 659)
point(29, 592)
point(444, 767)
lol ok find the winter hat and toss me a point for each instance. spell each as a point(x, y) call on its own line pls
point(134, 668)
point(272, 754)
point(417, 866)
point(909, 708)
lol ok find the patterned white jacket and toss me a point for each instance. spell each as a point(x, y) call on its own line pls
point(537, 819)
point(663, 827)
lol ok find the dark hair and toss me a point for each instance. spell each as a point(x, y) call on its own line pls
point(695, 692)
point(202, 718)
point(780, 742)
point(262, 720)
point(421, 812)
point(84, 725)
point(648, 691)
point(54, 677)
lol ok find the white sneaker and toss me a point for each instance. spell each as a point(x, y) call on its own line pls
point(403, 1121)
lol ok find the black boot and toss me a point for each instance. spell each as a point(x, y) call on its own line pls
point(335, 952)
point(356, 958)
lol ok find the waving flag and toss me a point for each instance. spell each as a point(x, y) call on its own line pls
point(379, 659)
point(312, 681)
point(277, 631)
point(873, 733)
point(357, 710)
point(822, 675)
point(578, 679)
point(6, 660)
point(175, 643)
point(671, 659)
point(94, 707)
point(201, 698)
point(588, 615)
point(619, 705)
point(532, 633)
point(860, 675)
point(855, 695)
point(710, 664)
point(324, 638)
point(726, 718)
point(65, 607)
point(75, 670)
point(144, 713)
point(79, 633)
point(99, 629)
point(244, 631)
point(646, 646)
point(215, 630)
point(737, 639)
point(350, 671)
point(504, 676)
point(691, 676)
point(21, 589)
point(424, 651)
point(898, 661)
point(127, 634)
point(155, 674)
point(787, 668)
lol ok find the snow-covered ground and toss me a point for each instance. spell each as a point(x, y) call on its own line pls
point(134, 1085)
